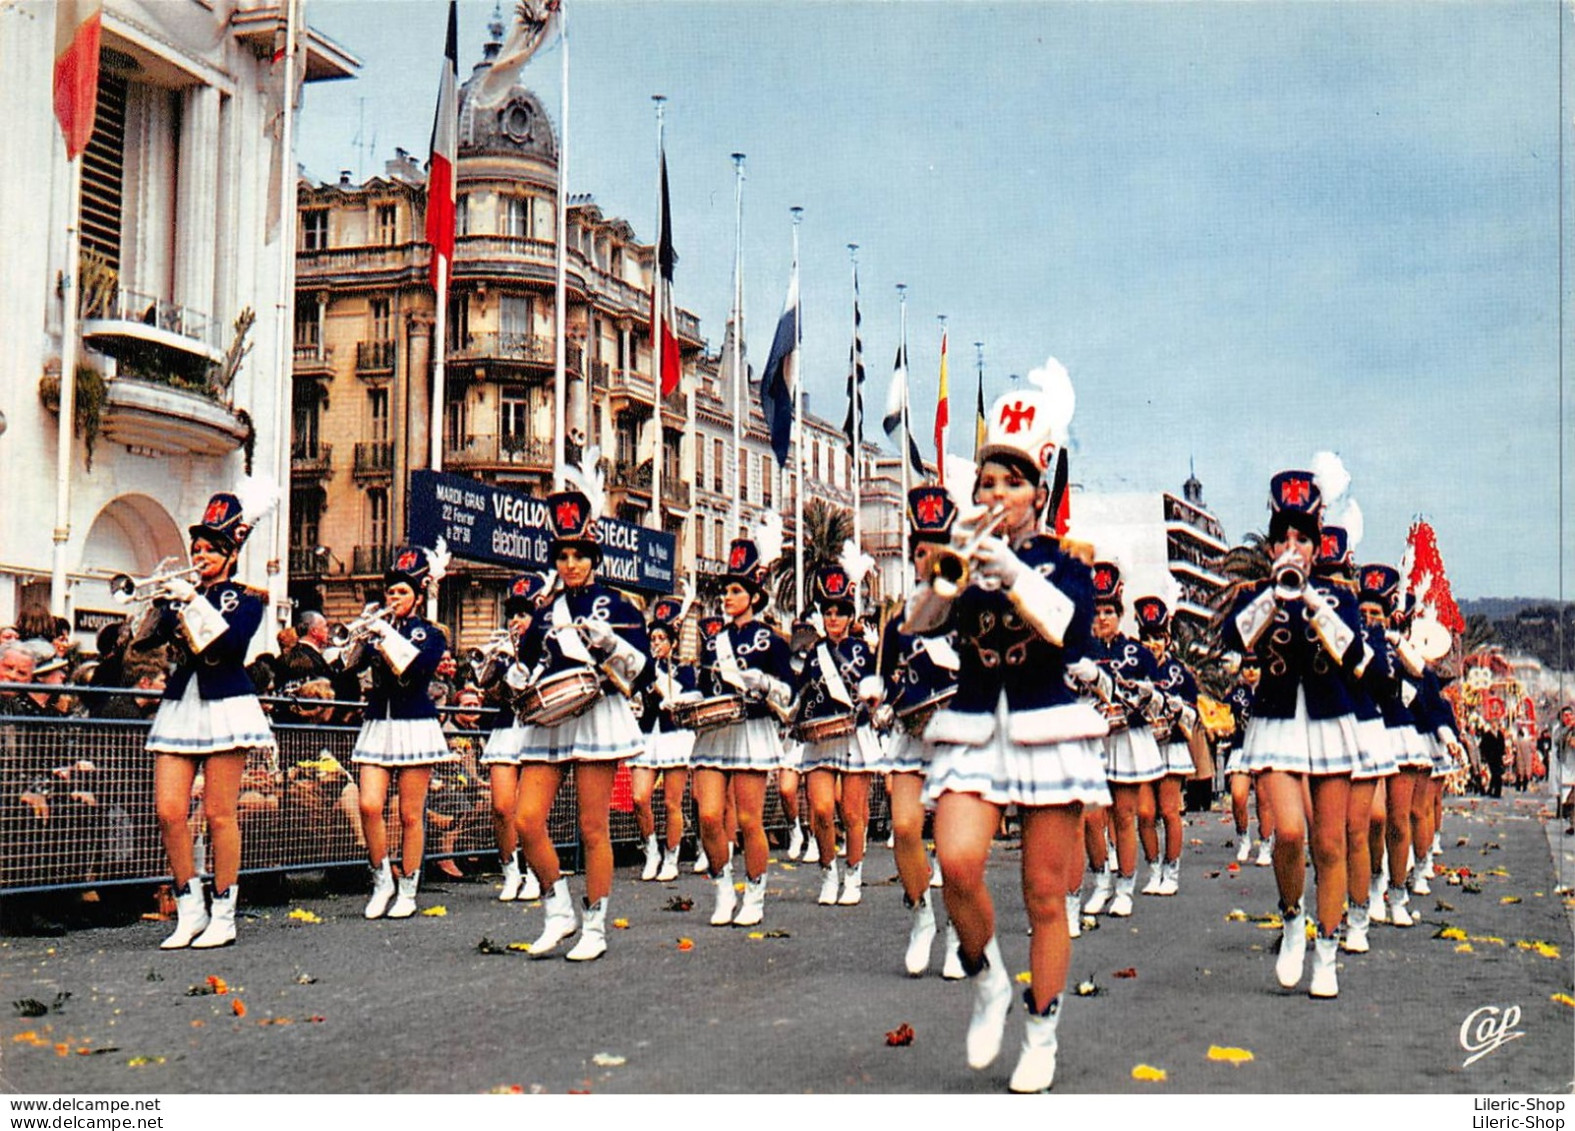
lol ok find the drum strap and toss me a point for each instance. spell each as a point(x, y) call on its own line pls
point(569, 641)
point(726, 662)
point(667, 685)
point(942, 654)
point(832, 677)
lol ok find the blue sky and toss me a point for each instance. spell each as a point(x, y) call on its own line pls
point(1250, 231)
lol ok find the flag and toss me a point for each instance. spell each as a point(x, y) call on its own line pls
point(943, 417)
point(662, 336)
point(287, 40)
point(441, 170)
point(854, 425)
point(776, 386)
point(77, 27)
point(536, 22)
point(897, 411)
point(978, 417)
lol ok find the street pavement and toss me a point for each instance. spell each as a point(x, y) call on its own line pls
point(803, 1003)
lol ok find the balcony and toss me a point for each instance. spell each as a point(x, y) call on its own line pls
point(371, 559)
point(374, 358)
point(675, 489)
point(631, 476)
point(374, 459)
point(529, 349)
point(319, 267)
point(313, 360)
point(311, 459)
point(305, 561)
point(161, 417)
point(533, 453)
point(147, 331)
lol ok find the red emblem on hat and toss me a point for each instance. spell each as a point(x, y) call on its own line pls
point(214, 513)
point(1375, 579)
point(1017, 416)
point(1151, 612)
point(836, 583)
point(1330, 547)
point(930, 509)
point(736, 560)
point(1103, 579)
point(521, 588)
point(406, 561)
point(567, 516)
point(1295, 492)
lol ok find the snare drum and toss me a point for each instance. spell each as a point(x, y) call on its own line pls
point(558, 697)
point(701, 715)
point(810, 731)
point(916, 717)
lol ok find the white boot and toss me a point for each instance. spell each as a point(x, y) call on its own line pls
point(653, 859)
point(726, 898)
point(1356, 921)
point(221, 922)
point(191, 916)
point(512, 880)
point(382, 890)
point(531, 889)
point(405, 905)
point(853, 885)
point(1419, 884)
point(811, 850)
point(1156, 871)
point(1324, 983)
point(669, 869)
point(593, 934)
point(992, 1001)
point(753, 908)
point(560, 923)
point(951, 962)
point(1074, 915)
point(702, 863)
point(796, 841)
point(1035, 1070)
point(1293, 948)
point(828, 883)
point(921, 935)
point(936, 879)
point(1437, 849)
point(1243, 847)
point(1103, 884)
point(1377, 910)
point(1121, 905)
point(1399, 909)
point(1169, 877)
point(1265, 853)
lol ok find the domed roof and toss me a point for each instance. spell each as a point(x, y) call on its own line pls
point(520, 127)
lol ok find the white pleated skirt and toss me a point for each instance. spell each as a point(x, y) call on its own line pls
point(1132, 756)
point(1411, 750)
point(1178, 759)
point(197, 727)
point(505, 744)
point(753, 744)
point(605, 733)
point(1375, 750)
point(1444, 762)
point(908, 753)
point(857, 753)
point(397, 743)
point(1233, 763)
point(1004, 772)
point(1301, 745)
point(666, 750)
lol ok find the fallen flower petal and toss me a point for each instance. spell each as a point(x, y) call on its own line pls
point(1509, 899)
point(679, 903)
point(1465, 948)
point(506, 1090)
point(217, 985)
point(1229, 1055)
point(621, 924)
point(435, 912)
point(686, 944)
point(144, 1061)
point(1564, 999)
point(900, 1037)
point(238, 1007)
point(1087, 988)
point(302, 915)
point(608, 1060)
point(1148, 1072)
point(1450, 933)
point(1547, 950)
point(1236, 915)
point(1025, 978)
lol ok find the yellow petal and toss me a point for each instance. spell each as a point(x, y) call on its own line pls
point(1026, 978)
point(1236, 916)
point(1509, 899)
point(1494, 939)
point(523, 947)
point(1452, 933)
point(1564, 999)
point(608, 1060)
point(1229, 1055)
point(436, 912)
point(757, 934)
point(305, 916)
point(1148, 1072)
point(621, 924)
point(1547, 950)
point(1464, 948)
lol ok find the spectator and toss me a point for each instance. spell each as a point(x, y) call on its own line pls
point(8, 633)
point(145, 674)
point(35, 622)
point(308, 658)
point(17, 662)
point(1490, 741)
point(1564, 758)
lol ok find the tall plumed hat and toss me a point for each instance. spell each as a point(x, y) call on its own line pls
point(931, 514)
point(1153, 618)
point(833, 586)
point(1031, 424)
point(1334, 547)
point(418, 567)
point(749, 559)
point(1107, 584)
point(1378, 585)
point(230, 516)
point(522, 593)
point(573, 523)
point(1295, 503)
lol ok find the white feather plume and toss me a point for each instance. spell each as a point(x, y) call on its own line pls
point(960, 476)
point(767, 536)
point(1407, 564)
point(437, 561)
point(855, 563)
point(1332, 479)
point(257, 497)
point(1056, 384)
point(588, 482)
point(686, 601)
point(1353, 522)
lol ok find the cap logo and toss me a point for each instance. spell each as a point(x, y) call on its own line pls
point(1103, 579)
point(214, 513)
point(1330, 547)
point(737, 558)
point(836, 582)
point(1375, 579)
point(406, 561)
point(1295, 492)
point(1017, 416)
point(567, 515)
point(930, 508)
point(521, 588)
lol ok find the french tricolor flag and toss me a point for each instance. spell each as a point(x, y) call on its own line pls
point(441, 171)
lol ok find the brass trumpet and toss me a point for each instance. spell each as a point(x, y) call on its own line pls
point(500, 644)
point(128, 590)
point(950, 566)
point(341, 635)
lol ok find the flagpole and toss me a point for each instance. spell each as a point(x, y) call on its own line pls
point(740, 379)
point(561, 272)
point(658, 308)
point(907, 430)
point(278, 566)
point(942, 399)
point(69, 289)
point(798, 429)
point(978, 413)
point(854, 361)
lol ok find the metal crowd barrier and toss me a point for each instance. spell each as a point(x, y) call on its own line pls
point(300, 814)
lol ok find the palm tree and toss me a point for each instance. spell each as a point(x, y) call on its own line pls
point(826, 528)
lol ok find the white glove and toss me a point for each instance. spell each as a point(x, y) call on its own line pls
point(995, 562)
point(179, 590)
point(1083, 670)
point(872, 690)
point(599, 636)
point(755, 680)
point(380, 627)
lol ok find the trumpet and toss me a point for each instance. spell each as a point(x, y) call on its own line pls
point(1289, 581)
point(341, 635)
point(500, 645)
point(128, 590)
point(950, 566)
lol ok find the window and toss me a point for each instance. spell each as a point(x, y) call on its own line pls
point(628, 447)
point(517, 316)
point(462, 215)
point(721, 540)
point(306, 427)
point(306, 517)
point(672, 463)
point(308, 330)
point(314, 229)
point(377, 409)
point(700, 461)
point(717, 456)
point(766, 480)
point(387, 224)
point(513, 420)
point(459, 321)
point(700, 536)
point(456, 421)
point(382, 325)
point(377, 516)
point(516, 216)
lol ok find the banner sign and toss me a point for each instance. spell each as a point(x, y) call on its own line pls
point(493, 524)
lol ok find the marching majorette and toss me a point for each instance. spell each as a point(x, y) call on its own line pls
point(1436, 721)
point(1015, 733)
point(1240, 782)
point(209, 715)
point(917, 676)
point(1306, 632)
point(833, 723)
point(665, 684)
point(501, 754)
point(746, 670)
point(1175, 682)
point(401, 738)
point(1119, 673)
point(585, 650)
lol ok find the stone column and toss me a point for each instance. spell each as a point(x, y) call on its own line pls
point(197, 208)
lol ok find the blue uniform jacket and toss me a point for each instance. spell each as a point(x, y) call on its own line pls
point(854, 661)
point(220, 668)
point(540, 646)
point(1293, 656)
point(647, 701)
point(1240, 701)
point(1432, 710)
point(1379, 680)
point(1126, 659)
point(909, 674)
point(754, 646)
point(406, 696)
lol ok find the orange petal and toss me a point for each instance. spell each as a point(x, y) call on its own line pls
point(686, 944)
point(238, 1007)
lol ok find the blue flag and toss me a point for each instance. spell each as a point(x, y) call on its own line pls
point(776, 386)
